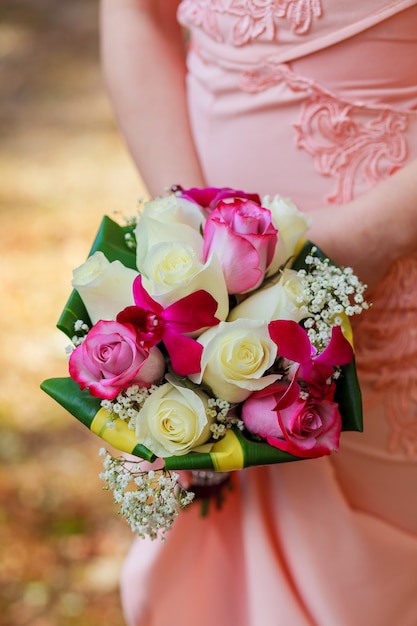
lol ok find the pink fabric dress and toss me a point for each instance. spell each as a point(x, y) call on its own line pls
point(315, 100)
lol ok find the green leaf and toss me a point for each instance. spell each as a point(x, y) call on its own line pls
point(299, 262)
point(348, 396)
point(74, 310)
point(83, 406)
point(68, 394)
point(111, 241)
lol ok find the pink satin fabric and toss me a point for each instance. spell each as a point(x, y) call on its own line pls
point(333, 541)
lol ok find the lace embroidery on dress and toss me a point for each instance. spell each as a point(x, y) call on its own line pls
point(253, 18)
point(343, 147)
point(300, 13)
point(386, 345)
point(346, 140)
point(202, 14)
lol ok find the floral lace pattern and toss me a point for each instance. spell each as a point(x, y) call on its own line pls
point(252, 19)
point(346, 140)
point(202, 14)
point(393, 315)
point(346, 148)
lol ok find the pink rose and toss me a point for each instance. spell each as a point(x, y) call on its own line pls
point(299, 423)
point(110, 360)
point(241, 234)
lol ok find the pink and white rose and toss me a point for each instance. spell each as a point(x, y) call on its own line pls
point(305, 425)
point(298, 414)
point(110, 360)
point(209, 197)
point(241, 234)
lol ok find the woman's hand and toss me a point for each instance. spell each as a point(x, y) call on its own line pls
point(343, 235)
point(372, 231)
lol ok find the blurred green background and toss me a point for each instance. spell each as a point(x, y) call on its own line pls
point(62, 166)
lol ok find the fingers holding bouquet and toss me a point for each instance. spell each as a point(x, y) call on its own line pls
point(373, 231)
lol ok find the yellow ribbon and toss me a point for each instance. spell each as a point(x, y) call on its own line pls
point(118, 434)
point(300, 244)
point(347, 329)
point(227, 454)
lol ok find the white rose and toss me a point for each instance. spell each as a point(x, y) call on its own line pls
point(235, 358)
point(166, 219)
point(282, 300)
point(292, 224)
point(174, 420)
point(104, 287)
point(173, 270)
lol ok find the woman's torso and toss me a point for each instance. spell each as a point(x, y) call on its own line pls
point(295, 97)
point(343, 116)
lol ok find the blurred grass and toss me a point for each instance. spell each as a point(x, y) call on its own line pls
point(62, 165)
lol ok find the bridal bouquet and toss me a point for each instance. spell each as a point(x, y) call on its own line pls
point(208, 335)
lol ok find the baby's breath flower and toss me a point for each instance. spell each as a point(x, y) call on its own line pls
point(224, 419)
point(329, 292)
point(149, 500)
point(128, 403)
point(81, 329)
point(130, 241)
point(218, 430)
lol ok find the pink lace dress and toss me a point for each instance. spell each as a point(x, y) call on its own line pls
point(315, 100)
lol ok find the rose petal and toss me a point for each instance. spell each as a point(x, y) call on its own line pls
point(239, 259)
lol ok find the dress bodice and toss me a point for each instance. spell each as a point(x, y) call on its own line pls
point(288, 28)
point(317, 100)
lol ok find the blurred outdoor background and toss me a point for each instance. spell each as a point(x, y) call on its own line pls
point(62, 166)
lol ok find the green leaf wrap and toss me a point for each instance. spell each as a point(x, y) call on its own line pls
point(110, 240)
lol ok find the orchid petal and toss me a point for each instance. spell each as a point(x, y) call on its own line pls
point(292, 340)
point(148, 326)
point(184, 352)
point(209, 197)
point(192, 312)
point(289, 396)
point(338, 352)
point(143, 299)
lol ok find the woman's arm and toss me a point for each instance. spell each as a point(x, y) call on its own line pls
point(373, 231)
point(144, 67)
